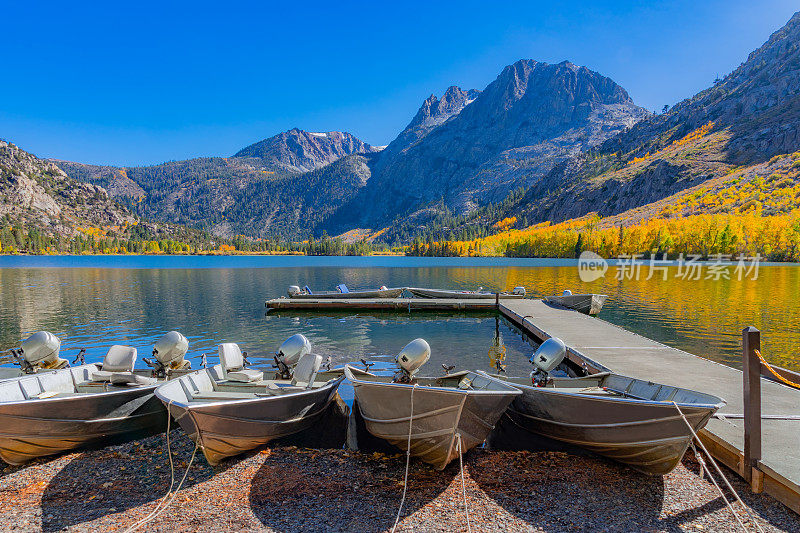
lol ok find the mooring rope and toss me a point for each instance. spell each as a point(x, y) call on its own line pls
point(722, 475)
point(408, 461)
point(463, 485)
point(161, 506)
point(774, 373)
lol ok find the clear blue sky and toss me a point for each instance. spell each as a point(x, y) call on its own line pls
point(150, 82)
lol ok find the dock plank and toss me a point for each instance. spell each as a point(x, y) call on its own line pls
point(633, 355)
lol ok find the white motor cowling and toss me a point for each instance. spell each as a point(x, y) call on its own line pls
point(170, 350)
point(549, 355)
point(519, 290)
point(293, 290)
point(293, 349)
point(41, 350)
point(415, 354)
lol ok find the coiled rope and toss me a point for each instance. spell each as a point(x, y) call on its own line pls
point(408, 460)
point(463, 485)
point(162, 506)
point(722, 475)
point(774, 373)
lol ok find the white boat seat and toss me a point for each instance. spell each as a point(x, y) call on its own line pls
point(232, 362)
point(118, 359)
point(245, 375)
point(129, 378)
point(281, 388)
point(306, 370)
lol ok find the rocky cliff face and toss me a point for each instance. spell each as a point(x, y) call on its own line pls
point(38, 193)
point(532, 117)
point(433, 113)
point(302, 151)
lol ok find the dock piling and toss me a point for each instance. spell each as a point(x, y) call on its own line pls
point(751, 366)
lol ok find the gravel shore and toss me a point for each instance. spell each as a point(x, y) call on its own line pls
point(290, 489)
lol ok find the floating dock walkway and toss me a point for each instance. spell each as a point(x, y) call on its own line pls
point(386, 304)
point(603, 346)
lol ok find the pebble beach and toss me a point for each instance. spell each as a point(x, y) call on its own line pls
point(289, 489)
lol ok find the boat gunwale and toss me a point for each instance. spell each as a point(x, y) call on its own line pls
point(453, 390)
point(447, 293)
point(194, 406)
point(353, 295)
point(80, 395)
point(655, 403)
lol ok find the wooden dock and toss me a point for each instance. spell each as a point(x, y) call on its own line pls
point(604, 346)
point(630, 354)
point(386, 304)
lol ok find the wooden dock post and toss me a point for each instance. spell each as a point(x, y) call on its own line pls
point(751, 367)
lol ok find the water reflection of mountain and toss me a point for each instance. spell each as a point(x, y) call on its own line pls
point(96, 307)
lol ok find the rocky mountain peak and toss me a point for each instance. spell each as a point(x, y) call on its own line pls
point(433, 113)
point(298, 150)
point(532, 117)
point(759, 102)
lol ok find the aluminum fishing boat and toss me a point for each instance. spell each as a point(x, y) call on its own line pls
point(230, 408)
point(588, 304)
point(625, 419)
point(463, 405)
point(49, 412)
point(342, 292)
point(518, 292)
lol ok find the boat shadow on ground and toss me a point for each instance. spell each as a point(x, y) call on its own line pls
point(114, 479)
point(341, 492)
point(567, 488)
point(351, 491)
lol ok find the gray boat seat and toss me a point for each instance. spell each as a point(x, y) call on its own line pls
point(129, 378)
point(230, 355)
point(303, 376)
point(118, 359)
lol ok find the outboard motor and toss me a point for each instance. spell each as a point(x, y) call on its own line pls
point(411, 358)
point(519, 290)
point(293, 290)
point(567, 292)
point(169, 352)
point(40, 352)
point(549, 355)
point(290, 352)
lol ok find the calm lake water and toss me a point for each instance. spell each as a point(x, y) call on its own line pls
point(97, 301)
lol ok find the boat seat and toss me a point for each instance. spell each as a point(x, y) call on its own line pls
point(280, 388)
point(118, 359)
point(306, 370)
point(129, 378)
point(55, 394)
point(230, 355)
point(221, 395)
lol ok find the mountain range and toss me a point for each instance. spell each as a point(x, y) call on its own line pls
point(542, 142)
